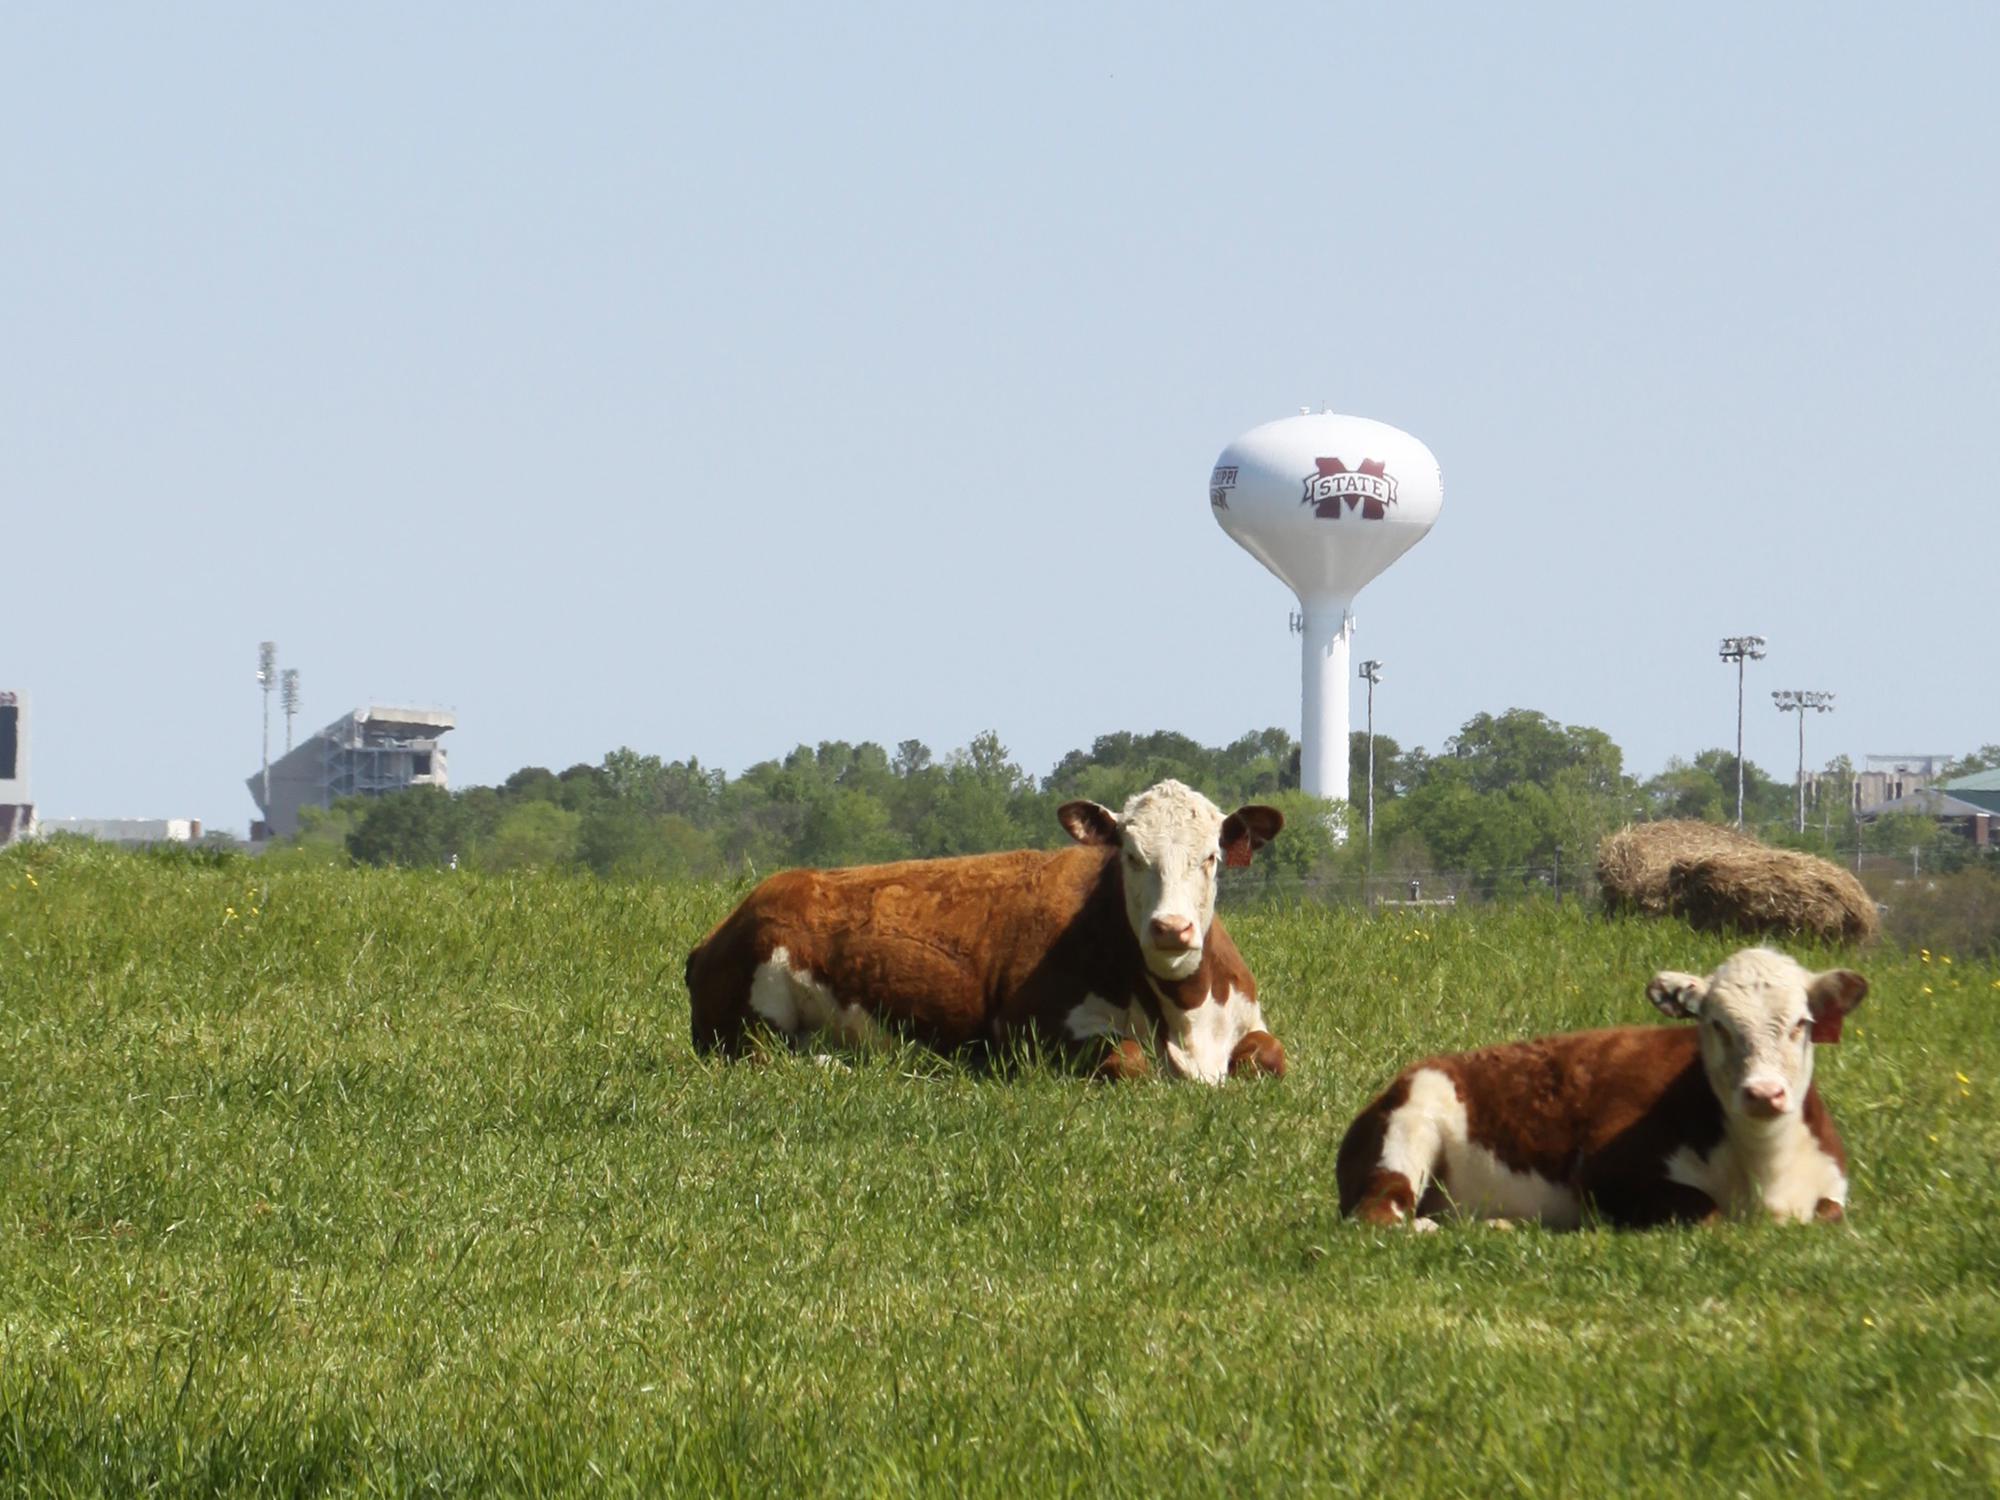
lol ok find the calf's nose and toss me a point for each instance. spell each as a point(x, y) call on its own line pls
point(1764, 1100)
point(1173, 932)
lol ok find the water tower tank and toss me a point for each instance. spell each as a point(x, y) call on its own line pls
point(1326, 502)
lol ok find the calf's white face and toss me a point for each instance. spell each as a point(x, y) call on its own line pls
point(1171, 840)
point(1760, 1014)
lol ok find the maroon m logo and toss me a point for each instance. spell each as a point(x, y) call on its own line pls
point(1367, 489)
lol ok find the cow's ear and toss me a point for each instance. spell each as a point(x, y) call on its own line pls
point(1089, 822)
point(1830, 997)
point(1247, 830)
point(1676, 994)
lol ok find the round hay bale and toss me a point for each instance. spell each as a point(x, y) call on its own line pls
point(1635, 863)
point(1720, 879)
point(1775, 890)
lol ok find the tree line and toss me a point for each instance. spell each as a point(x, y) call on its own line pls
point(1513, 801)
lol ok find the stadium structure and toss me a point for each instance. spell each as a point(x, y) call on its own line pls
point(365, 753)
point(17, 807)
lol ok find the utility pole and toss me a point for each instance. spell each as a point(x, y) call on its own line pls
point(1795, 701)
point(267, 678)
point(1739, 648)
point(1371, 673)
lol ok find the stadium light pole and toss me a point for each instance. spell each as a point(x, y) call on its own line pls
point(1741, 648)
point(1371, 673)
point(1796, 701)
point(288, 699)
point(267, 678)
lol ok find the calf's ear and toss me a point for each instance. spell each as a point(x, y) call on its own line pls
point(1676, 994)
point(1830, 997)
point(1247, 830)
point(1089, 822)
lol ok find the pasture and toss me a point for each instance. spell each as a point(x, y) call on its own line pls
point(346, 1181)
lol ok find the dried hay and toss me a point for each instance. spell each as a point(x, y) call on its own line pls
point(1720, 879)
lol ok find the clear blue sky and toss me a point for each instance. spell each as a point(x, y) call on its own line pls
point(710, 379)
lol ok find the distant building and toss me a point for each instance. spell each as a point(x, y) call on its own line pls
point(363, 754)
point(1883, 779)
point(1971, 804)
point(1888, 777)
point(133, 833)
point(17, 807)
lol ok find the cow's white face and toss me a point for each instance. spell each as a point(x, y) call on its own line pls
point(1760, 1014)
point(1171, 840)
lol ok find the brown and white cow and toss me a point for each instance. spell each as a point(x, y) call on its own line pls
point(1642, 1124)
point(1100, 950)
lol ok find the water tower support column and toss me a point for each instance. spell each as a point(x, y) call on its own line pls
point(1323, 727)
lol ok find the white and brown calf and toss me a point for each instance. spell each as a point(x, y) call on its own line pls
point(1103, 950)
point(1640, 1124)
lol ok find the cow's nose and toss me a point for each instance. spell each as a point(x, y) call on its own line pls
point(1764, 1100)
point(1173, 932)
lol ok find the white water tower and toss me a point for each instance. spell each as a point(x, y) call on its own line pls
point(1326, 502)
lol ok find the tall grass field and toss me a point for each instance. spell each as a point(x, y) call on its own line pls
point(355, 1182)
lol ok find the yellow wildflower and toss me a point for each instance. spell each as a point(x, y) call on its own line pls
point(1961, 1078)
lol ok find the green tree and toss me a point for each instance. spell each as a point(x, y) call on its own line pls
point(972, 809)
point(1924, 841)
point(620, 843)
point(414, 827)
point(1582, 812)
point(532, 835)
point(1985, 758)
point(844, 827)
point(1392, 769)
point(1515, 799)
point(1502, 838)
point(1687, 791)
point(322, 836)
point(1522, 747)
point(1765, 801)
point(1308, 855)
point(531, 781)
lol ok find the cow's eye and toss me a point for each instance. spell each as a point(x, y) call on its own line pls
point(1798, 1030)
point(1209, 863)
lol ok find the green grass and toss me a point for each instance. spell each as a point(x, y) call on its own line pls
point(352, 1181)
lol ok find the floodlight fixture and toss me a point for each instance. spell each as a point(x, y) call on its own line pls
point(1798, 701)
point(1739, 649)
point(1371, 673)
point(288, 699)
point(267, 678)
